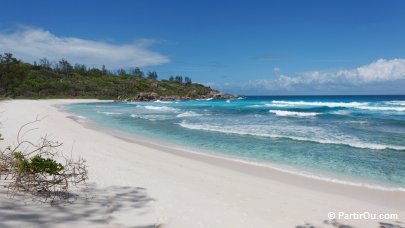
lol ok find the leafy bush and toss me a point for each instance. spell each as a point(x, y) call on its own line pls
point(37, 164)
point(36, 172)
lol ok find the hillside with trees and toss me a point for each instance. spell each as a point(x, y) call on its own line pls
point(44, 79)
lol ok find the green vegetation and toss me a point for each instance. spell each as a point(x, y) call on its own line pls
point(37, 164)
point(63, 80)
point(34, 169)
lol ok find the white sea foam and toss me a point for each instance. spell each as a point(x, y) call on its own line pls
point(400, 103)
point(228, 101)
point(321, 104)
point(216, 128)
point(133, 103)
point(254, 106)
point(278, 105)
point(297, 114)
point(325, 178)
point(341, 112)
point(208, 99)
point(294, 171)
point(151, 117)
point(109, 113)
point(188, 114)
point(166, 102)
point(320, 138)
point(379, 108)
point(357, 105)
point(357, 122)
point(158, 108)
point(145, 117)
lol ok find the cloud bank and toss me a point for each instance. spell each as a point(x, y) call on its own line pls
point(30, 44)
point(378, 71)
point(381, 75)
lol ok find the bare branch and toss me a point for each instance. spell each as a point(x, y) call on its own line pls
point(36, 173)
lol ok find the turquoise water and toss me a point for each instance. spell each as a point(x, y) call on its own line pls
point(359, 138)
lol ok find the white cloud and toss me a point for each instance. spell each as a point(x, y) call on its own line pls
point(30, 44)
point(379, 71)
point(381, 76)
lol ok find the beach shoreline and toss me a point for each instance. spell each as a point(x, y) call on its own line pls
point(216, 158)
point(210, 191)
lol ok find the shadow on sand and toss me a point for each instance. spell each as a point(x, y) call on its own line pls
point(92, 207)
point(334, 223)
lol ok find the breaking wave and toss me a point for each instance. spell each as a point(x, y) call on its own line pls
point(356, 105)
point(158, 108)
point(188, 114)
point(352, 142)
point(109, 113)
point(296, 114)
point(320, 104)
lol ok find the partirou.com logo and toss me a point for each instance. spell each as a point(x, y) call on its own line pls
point(362, 215)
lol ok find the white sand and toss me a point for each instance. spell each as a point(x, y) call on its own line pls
point(139, 184)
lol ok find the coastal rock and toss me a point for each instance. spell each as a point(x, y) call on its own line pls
point(152, 96)
point(218, 95)
point(146, 96)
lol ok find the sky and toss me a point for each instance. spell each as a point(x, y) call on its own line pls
point(244, 47)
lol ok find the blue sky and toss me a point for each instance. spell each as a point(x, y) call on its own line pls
point(245, 47)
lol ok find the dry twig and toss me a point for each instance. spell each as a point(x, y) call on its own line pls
point(39, 171)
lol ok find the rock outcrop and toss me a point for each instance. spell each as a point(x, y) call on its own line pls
point(144, 96)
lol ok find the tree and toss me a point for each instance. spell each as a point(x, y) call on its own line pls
point(12, 74)
point(65, 67)
point(94, 72)
point(152, 75)
point(36, 66)
point(137, 72)
point(44, 63)
point(187, 81)
point(179, 79)
point(104, 70)
point(121, 72)
point(80, 69)
point(46, 80)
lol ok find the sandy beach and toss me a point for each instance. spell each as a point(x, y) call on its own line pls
point(139, 183)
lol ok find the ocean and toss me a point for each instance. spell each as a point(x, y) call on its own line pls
point(357, 140)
